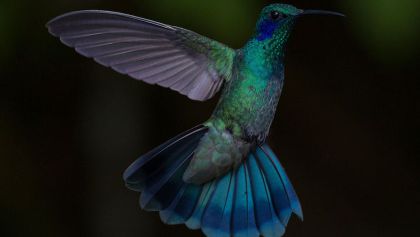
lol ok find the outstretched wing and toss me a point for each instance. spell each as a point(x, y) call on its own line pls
point(147, 50)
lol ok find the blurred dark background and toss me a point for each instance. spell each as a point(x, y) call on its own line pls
point(347, 127)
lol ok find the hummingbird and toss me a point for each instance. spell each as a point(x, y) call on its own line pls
point(220, 176)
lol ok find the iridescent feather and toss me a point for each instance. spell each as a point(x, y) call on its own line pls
point(220, 176)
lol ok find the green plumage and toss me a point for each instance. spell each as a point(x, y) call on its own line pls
point(249, 99)
point(221, 57)
point(220, 176)
point(196, 66)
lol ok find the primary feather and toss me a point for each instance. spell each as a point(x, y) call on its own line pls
point(156, 53)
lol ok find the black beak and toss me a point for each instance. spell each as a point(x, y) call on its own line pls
point(321, 12)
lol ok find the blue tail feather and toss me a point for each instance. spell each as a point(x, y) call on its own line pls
point(255, 199)
point(194, 222)
point(166, 214)
point(278, 193)
point(226, 225)
point(160, 193)
point(293, 198)
point(243, 221)
point(267, 220)
point(182, 208)
point(216, 218)
point(150, 163)
point(163, 185)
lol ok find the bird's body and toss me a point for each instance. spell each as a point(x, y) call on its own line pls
point(245, 111)
point(220, 176)
point(247, 105)
point(249, 100)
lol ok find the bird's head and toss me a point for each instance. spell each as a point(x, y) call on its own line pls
point(272, 31)
point(276, 20)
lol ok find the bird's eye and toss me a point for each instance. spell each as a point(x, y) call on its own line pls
point(276, 15)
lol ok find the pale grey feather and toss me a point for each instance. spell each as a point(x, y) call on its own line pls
point(146, 50)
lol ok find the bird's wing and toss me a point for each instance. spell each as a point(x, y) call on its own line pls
point(156, 53)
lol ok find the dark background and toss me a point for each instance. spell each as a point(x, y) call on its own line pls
point(347, 127)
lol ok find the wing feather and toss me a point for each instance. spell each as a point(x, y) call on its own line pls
point(147, 50)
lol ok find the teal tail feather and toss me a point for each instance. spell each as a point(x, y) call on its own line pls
point(256, 199)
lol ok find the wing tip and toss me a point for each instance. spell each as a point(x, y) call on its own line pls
point(56, 20)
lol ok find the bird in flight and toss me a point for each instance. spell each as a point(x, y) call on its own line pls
point(220, 176)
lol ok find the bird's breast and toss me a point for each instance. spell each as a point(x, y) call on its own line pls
point(249, 102)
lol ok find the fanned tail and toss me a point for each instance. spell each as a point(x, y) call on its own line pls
point(158, 174)
point(256, 199)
